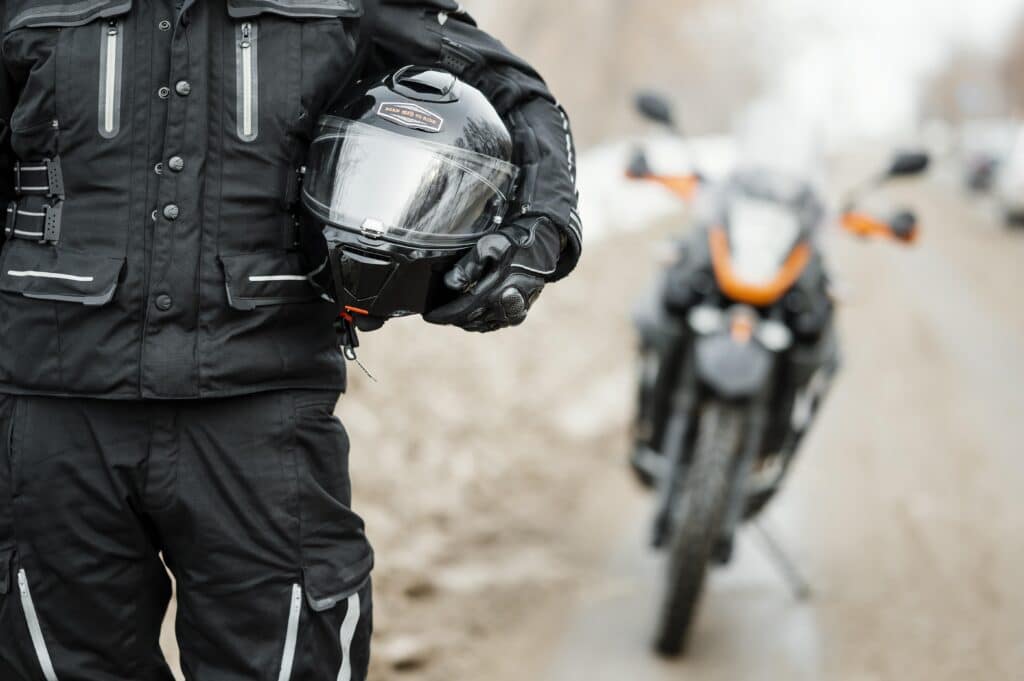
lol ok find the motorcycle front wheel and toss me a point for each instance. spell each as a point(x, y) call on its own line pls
point(703, 501)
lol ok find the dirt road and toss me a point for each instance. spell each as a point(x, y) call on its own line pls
point(905, 510)
point(512, 539)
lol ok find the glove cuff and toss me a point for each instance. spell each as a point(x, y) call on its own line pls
point(540, 245)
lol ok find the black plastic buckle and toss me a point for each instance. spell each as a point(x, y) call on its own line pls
point(51, 224)
point(50, 168)
point(11, 219)
point(45, 229)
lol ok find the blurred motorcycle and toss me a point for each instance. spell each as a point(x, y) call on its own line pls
point(737, 351)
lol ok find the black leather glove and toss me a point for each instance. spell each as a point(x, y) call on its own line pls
point(501, 278)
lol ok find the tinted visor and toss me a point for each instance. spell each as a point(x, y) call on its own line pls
point(403, 189)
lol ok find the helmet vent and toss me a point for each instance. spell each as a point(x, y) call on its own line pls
point(427, 85)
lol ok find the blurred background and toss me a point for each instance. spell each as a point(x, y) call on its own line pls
point(511, 537)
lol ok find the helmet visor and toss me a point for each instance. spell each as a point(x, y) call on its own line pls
point(402, 189)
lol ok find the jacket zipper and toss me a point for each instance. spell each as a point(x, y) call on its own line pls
point(292, 635)
point(111, 58)
point(34, 630)
point(248, 81)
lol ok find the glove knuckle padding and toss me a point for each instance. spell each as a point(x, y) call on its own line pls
point(513, 305)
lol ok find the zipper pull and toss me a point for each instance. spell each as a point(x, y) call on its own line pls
point(246, 36)
point(348, 339)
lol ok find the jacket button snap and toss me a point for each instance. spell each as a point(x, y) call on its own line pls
point(165, 25)
point(158, 169)
point(164, 302)
point(171, 211)
point(164, 92)
point(176, 163)
point(183, 88)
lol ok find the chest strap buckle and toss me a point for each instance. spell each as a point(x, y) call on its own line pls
point(40, 223)
point(39, 178)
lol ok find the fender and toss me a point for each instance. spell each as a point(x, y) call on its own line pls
point(733, 370)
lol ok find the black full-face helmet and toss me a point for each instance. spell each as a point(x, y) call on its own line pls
point(401, 181)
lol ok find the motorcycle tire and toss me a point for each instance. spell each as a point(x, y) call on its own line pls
point(703, 502)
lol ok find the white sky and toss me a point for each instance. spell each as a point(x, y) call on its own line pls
point(856, 65)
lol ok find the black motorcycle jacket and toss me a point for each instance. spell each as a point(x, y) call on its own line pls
point(150, 157)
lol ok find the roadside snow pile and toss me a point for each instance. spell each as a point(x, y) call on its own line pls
point(611, 202)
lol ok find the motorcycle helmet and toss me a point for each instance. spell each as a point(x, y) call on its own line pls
point(401, 181)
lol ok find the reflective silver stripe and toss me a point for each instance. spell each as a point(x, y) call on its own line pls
point(111, 57)
point(570, 150)
point(50, 275)
point(34, 630)
point(347, 633)
point(292, 635)
point(534, 271)
point(277, 277)
point(31, 214)
point(21, 232)
point(248, 83)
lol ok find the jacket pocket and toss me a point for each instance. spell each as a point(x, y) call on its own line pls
point(255, 280)
point(302, 35)
point(249, 15)
point(67, 59)
point(55, 274)
point(337, 558)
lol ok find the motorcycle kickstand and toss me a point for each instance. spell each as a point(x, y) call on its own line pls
point(782, 561)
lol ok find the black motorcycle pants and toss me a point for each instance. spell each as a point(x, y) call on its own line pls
point(246, 499)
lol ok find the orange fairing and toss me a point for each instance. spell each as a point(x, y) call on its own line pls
point(865, 226)
point(683, 186)
point(759, 295)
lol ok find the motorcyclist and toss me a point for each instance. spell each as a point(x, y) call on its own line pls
point(168, 374)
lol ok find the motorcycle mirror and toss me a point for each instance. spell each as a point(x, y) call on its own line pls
point(903, 226)
point(908, 163)
point(638, 167)
point(655, 107)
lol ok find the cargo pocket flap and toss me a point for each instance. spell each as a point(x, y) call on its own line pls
point(49, 273)
point(54, 13)
point(260, 279)
point(296, 9)
point(333, 578)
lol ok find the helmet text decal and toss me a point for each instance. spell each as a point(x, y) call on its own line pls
point(411, 116)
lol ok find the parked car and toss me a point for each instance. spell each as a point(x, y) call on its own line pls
point(1009, 189)
point(984, 144)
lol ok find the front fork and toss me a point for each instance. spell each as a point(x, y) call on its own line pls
point(757, 425)
point(676, 437)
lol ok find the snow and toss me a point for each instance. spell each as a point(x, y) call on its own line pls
point(609, 201)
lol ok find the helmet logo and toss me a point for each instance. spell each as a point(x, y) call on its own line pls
point(411, 116)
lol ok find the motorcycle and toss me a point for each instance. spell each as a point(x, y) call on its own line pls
point(738, 349)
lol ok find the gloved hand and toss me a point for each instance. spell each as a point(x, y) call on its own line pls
point(501, 278)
